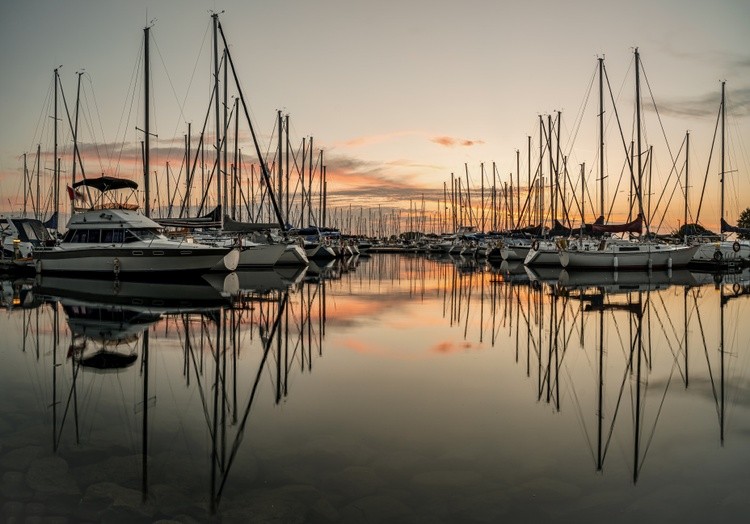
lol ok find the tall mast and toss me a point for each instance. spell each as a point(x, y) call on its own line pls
point(146, 124)
point(723, 114)
point(288, 171)
point(37, 209)
point(25, 180)
point(188, 171)
point(225, 173)
point(215, 16)
point(687, 172)
point(236, 176)
point(518, 188)
point(601, 137)
point(540, 192)
point(56, 169)
point(638, 134)
point(75, 130)
point(280, 125)
point(528, 175)
point(482, 186)
point(552, 171)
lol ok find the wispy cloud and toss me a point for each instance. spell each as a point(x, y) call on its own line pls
point(707, 105)
point(354, 178)
point(449, 141)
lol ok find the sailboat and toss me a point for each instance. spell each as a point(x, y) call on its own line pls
point(615, 253)
point(724, 252)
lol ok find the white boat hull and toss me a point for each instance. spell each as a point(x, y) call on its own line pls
point(660, 256)
point(132, 258)
point(546, 254)
point(724, 252)
point(511, 253)
point(260, 255)
point(293, 255)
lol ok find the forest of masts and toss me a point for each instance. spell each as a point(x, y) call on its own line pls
point(299, 179)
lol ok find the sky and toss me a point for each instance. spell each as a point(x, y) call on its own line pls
point(398, 94)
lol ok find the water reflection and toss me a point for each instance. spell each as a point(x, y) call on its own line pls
point(445, 389)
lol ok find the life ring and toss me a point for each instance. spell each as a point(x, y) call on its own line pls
point(718, 255)
point(736, 247)
point(535, 245)
point(736, 288)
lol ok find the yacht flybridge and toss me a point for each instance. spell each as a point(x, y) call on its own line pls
point(112, 237)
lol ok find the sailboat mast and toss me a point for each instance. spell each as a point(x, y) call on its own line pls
point(215, 17)
point(146, 123)
point(56, 171)
point(280, 125)
point(37, 209)
point(225, 173)
point(638, 135)
point(528, 175)
point(552, 175)
point(601, 137)
point(75, 130)
point(723, 115)
point(687, 172)
point(287, 174)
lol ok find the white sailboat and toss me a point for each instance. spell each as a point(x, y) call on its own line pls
point(724, 251)
point(615, 253)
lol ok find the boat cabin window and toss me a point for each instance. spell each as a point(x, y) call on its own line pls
point(112, 236)
point(94, 236)
point(133, 235)
point(82, 236)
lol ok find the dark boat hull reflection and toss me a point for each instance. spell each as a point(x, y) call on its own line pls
point(193, 293)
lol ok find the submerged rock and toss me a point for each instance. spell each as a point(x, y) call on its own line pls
point(120, 470)
point(51, 475)
point(115, 501)
point(20, 459)
point(13, 486)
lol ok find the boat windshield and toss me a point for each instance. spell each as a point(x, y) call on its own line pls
point(133, 235)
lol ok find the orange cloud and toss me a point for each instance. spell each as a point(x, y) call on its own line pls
point(448, 141)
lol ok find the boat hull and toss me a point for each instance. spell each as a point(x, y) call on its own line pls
point(260, 255)
point(546, 255)
point(661, 257)
point(722, 253)
point(293, 255)
point(511, 253)
point(135, 259)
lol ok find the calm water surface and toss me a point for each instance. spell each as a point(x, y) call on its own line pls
point(389, 389)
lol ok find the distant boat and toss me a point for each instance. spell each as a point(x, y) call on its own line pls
point(18, 239)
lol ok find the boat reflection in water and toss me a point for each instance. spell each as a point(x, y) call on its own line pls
point(189, 362)
point(450, 391)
